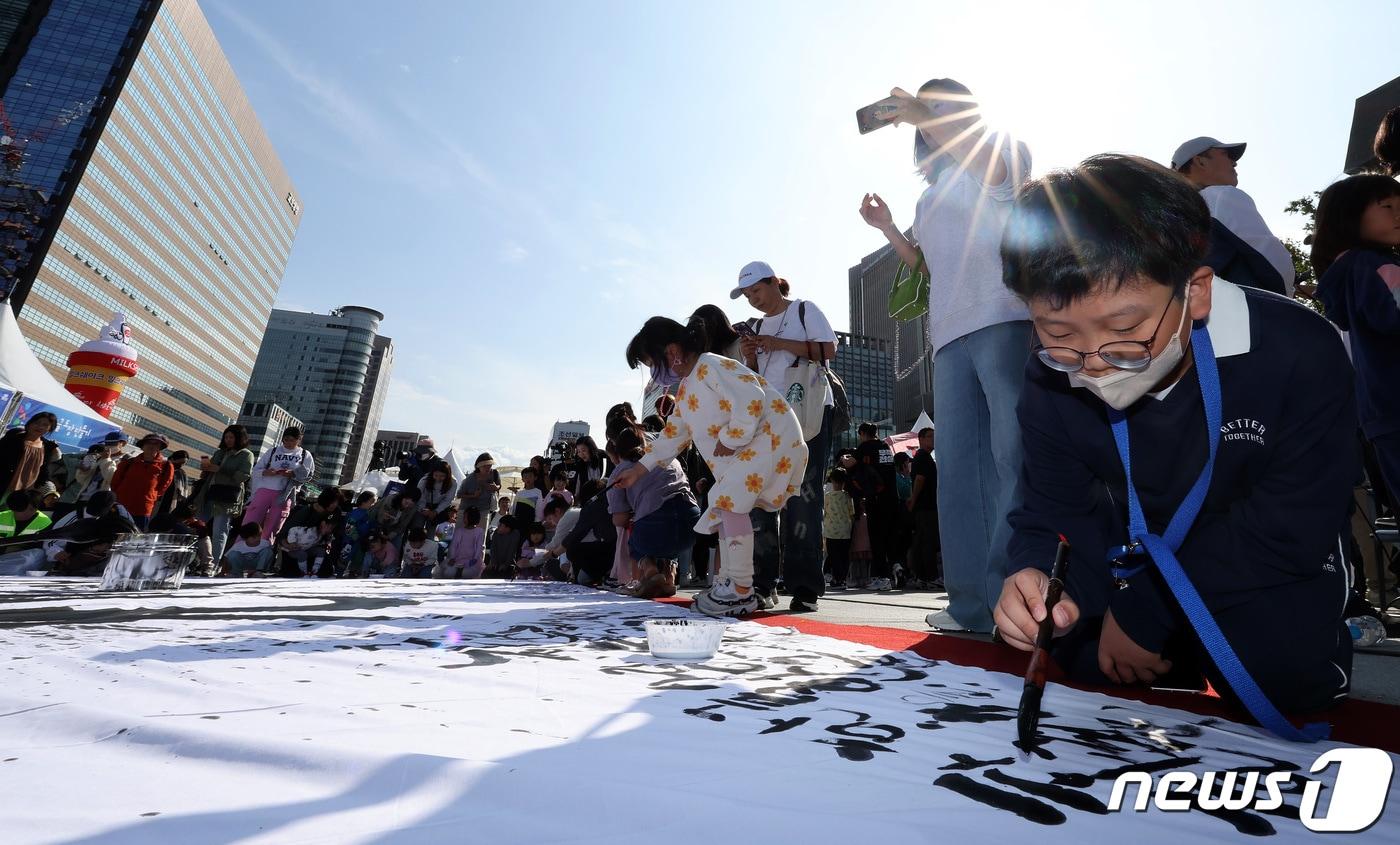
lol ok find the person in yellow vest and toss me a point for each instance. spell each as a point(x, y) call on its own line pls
point(23, 516)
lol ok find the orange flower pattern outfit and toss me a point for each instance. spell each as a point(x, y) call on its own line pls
point(722, 401)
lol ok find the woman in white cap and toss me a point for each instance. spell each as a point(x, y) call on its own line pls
point(788, 331)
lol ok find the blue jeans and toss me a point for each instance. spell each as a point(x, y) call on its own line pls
point(218, 521)
point(258, 561)
point(976, 384)
point(796, 549)
point(665, 532)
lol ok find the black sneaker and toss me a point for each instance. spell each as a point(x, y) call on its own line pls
point(803, 604)
point(766, 600)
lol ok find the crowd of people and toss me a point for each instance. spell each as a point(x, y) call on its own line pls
point(1119, 364)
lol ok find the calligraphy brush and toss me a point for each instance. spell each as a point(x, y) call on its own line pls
point(1028, 714)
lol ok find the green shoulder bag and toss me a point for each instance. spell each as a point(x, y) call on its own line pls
point(909, 293)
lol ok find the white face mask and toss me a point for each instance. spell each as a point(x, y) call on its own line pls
point(1121, 389)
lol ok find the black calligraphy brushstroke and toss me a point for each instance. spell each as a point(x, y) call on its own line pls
point(966, 763)
point(780, 725)
point(977, 714)
point(855, 750)
point(1080, 781)
point(846, 683)
point(1030, 809)
point(1060, 795)
point(478, 657)
point(325, 609)
point(878, 733)
point(756, 700)
point(704, 712)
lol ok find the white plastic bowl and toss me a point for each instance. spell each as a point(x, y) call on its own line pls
point(684, 639)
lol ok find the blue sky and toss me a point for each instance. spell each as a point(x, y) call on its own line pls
point(517, 186)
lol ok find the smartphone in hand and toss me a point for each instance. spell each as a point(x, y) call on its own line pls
point(876, 115)
point(744, 329)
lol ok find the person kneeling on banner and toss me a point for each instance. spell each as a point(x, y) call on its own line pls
point(1215, 549)
point(752, 441)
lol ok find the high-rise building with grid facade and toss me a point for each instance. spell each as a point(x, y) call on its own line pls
point(863, 363)
point(137, 178)
point(324, 368)
point(906, 342)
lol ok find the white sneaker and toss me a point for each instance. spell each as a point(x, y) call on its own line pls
point(723, 600)
point(881, 584)
point(943, 621)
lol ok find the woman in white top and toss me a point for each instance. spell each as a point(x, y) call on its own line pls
point(788, 329)
point(979, 330)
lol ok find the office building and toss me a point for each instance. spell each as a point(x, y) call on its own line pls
point(863, 363)
point(906, 343)
point(137, 178)
point(1365, 120)
point(397, 443)
point(381, 367)
point(317, 366)
point(265, 422)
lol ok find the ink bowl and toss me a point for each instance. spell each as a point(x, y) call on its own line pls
point(684, 640)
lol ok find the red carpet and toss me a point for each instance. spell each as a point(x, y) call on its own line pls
point(1366, 723)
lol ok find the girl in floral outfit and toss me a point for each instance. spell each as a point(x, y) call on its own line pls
point(750, 438)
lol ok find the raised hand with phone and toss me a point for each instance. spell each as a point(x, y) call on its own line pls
point(953, 263)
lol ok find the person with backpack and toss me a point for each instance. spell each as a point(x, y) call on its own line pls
point(277, 475)
point(788, 332)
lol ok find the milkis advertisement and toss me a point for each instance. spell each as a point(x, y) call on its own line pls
point(99, 369)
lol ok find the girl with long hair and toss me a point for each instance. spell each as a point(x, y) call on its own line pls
point(1356, 253)
point(750, 438)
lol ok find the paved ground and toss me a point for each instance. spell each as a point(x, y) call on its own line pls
point(1375, 676)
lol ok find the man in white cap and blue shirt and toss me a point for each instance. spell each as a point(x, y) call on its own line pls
point(1242, 249)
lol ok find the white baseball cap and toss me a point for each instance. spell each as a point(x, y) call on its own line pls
point(753, 273)
point(1196, 146)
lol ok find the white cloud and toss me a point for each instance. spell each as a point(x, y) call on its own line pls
point(405, 68)
point(513, 253)
point(456, 60)
point(372, 137)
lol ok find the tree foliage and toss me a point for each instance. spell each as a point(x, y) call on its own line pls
point(1305, 278)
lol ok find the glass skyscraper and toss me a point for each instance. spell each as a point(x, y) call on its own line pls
point(864, 367)
point(905, 342)
point(324, 369)
point(161, 197)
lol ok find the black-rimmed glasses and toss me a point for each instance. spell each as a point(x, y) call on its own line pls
point(1122, 354)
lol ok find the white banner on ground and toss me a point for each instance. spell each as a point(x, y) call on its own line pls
point(397, 712)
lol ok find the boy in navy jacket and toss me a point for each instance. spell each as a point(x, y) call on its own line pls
point(1108, 257)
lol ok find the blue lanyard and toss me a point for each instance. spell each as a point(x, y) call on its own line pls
point(1162, 551)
